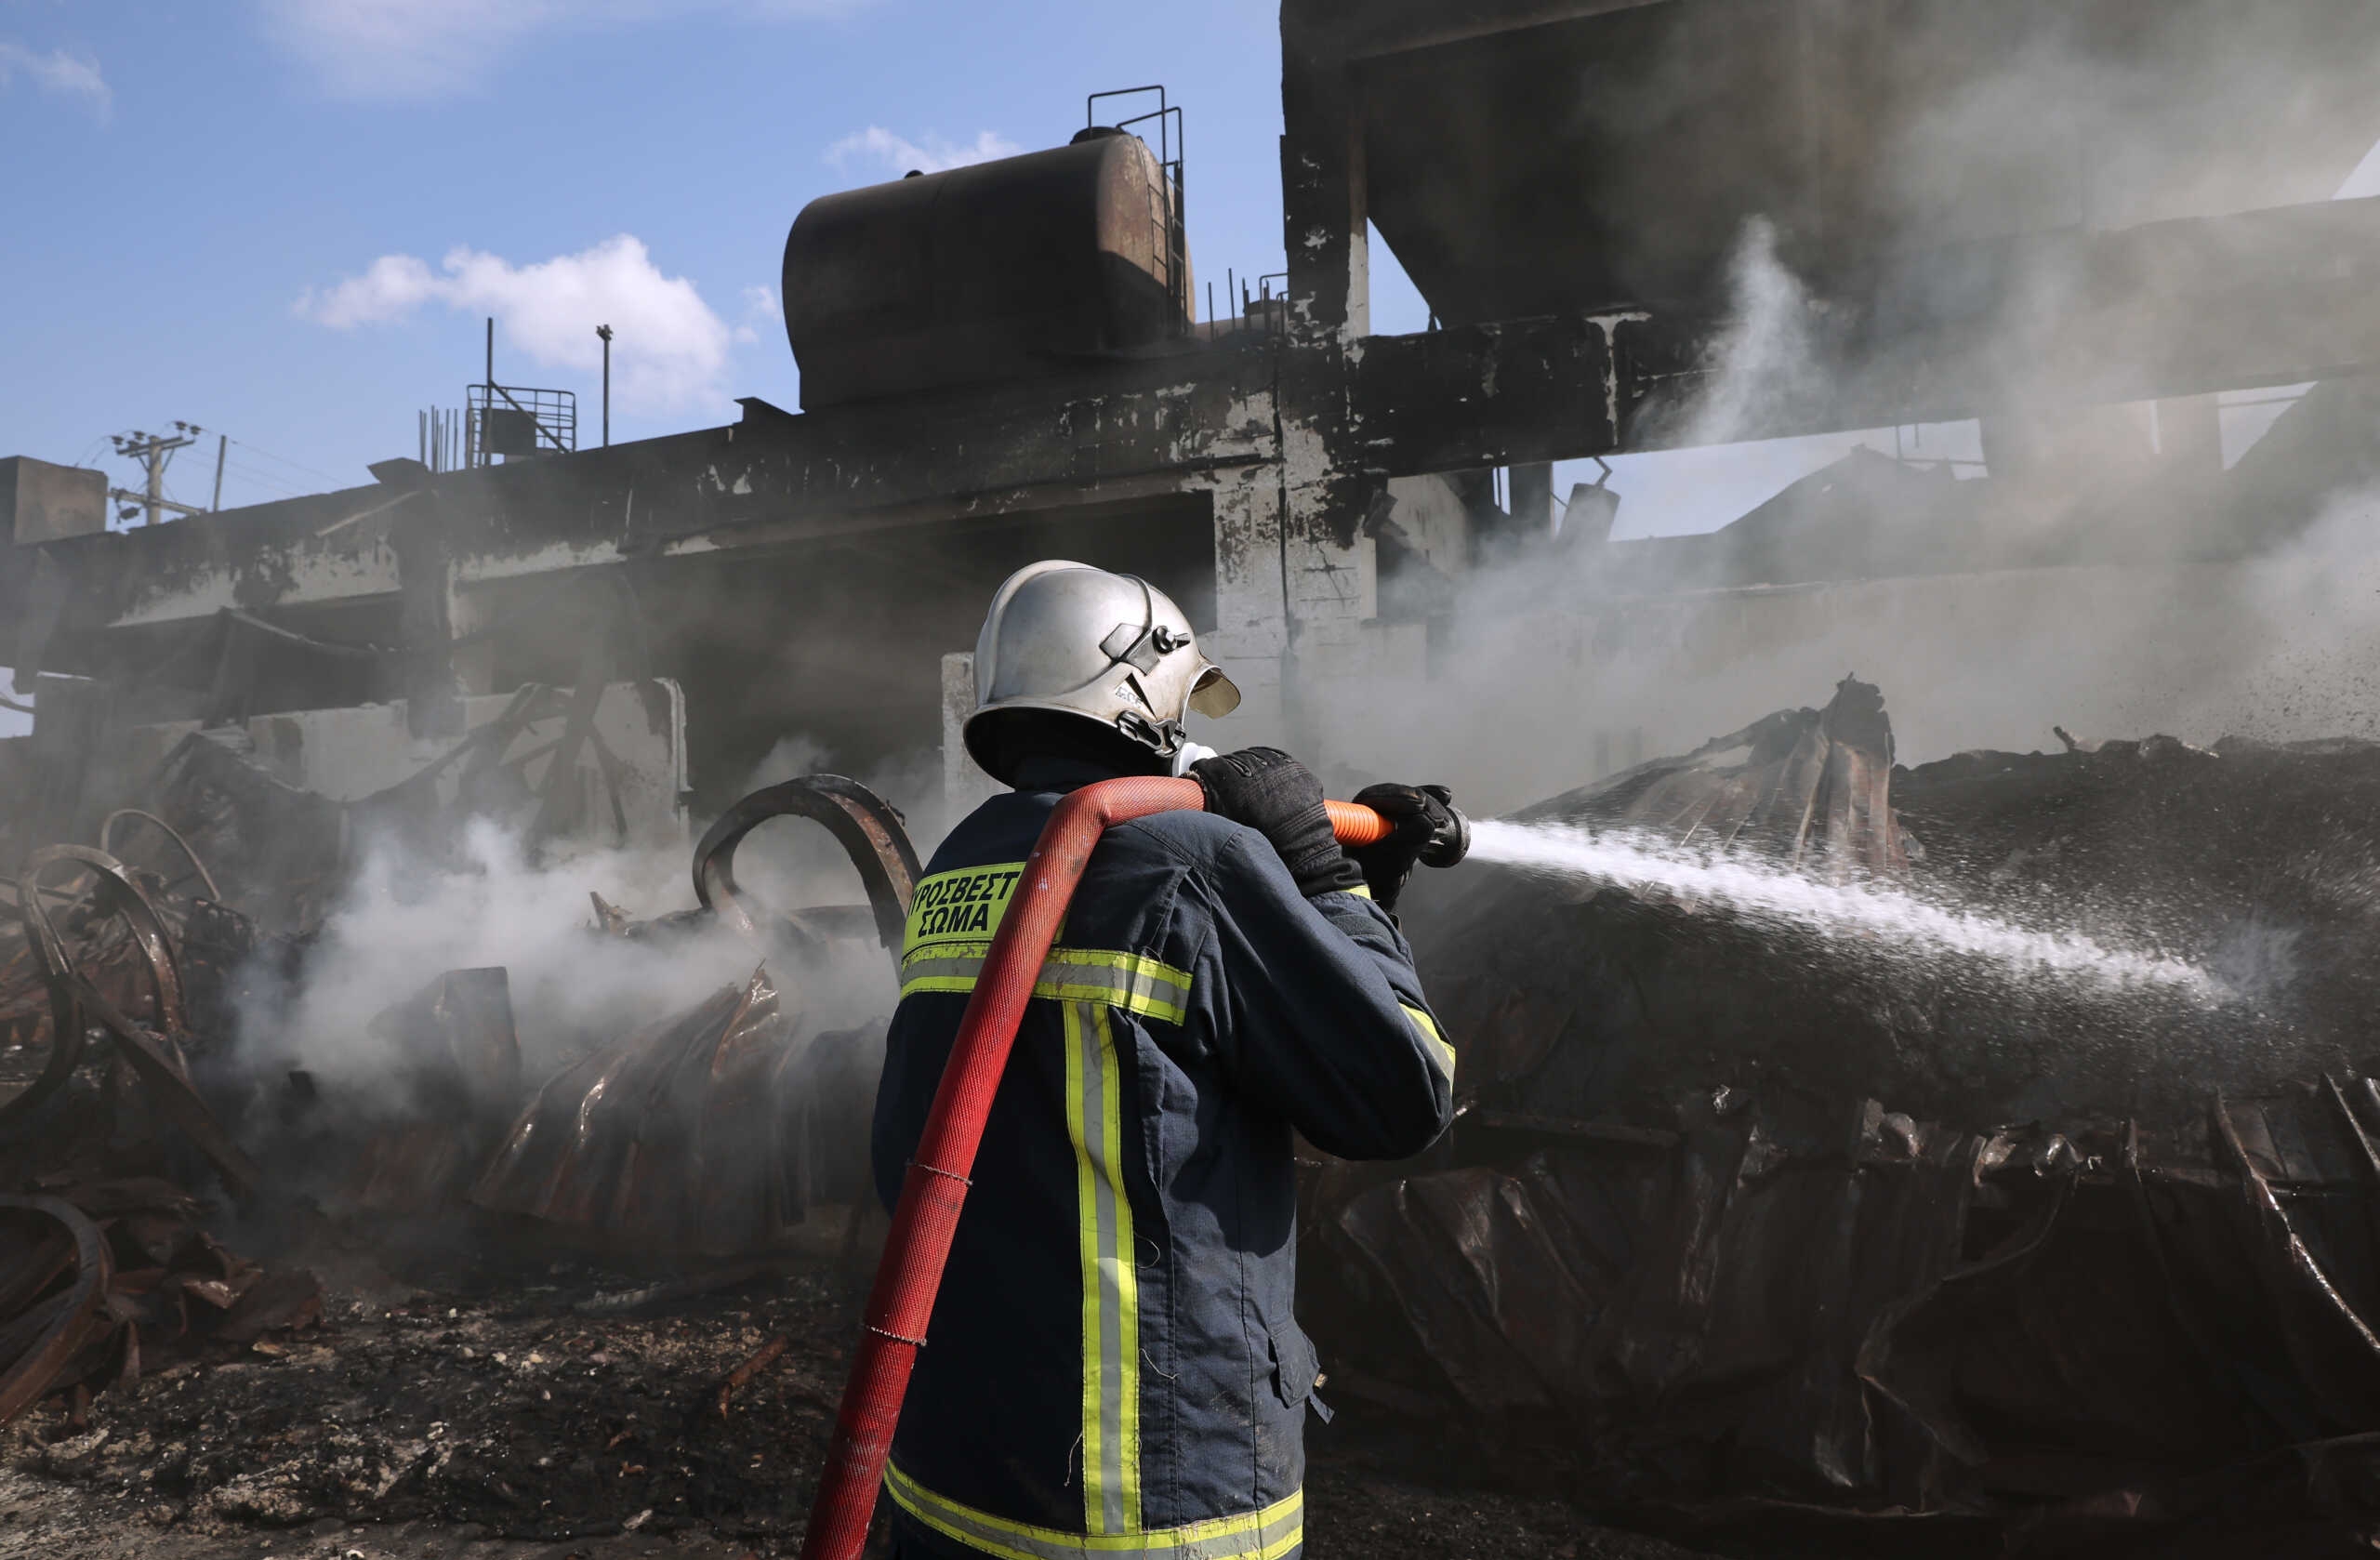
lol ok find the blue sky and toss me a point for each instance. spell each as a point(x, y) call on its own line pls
point(284, 220)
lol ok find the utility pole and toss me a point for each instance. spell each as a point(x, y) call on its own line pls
point(153, 451)
point(605, 332)
point(222, 448)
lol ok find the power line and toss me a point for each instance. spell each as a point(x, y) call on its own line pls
point(266, 480)
point(285, 460)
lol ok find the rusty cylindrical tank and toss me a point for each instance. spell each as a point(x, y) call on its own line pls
point(997, 271)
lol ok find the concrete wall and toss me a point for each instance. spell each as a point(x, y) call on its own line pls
point(349, 754)
point(40, 502)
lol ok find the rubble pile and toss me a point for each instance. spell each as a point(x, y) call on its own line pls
point(714, 1135)
point(108, 1281)
point(1756, 1227)
point(1748, 1231)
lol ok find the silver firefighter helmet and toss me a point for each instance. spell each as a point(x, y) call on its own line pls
point(1109, 648)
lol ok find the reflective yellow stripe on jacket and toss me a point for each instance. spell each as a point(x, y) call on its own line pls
point(951, 923)
point(1440, 1052)
point(1111, 1293)
point(1133, 981)
point(1261, 1535)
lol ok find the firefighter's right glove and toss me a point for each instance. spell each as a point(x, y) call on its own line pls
point(1416, 815)
point(1279, 798)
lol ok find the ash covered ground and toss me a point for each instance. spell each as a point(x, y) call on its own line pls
point(502, 1417)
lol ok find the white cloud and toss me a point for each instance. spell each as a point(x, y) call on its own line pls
point(393, 285)
point(761, 307)
point(430, 48)
point(57, 72)
point(876, 145)
point(670, 349)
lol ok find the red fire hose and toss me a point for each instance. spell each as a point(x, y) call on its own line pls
point(911, 1271)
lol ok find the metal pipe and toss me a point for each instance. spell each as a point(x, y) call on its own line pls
point(909, 1274)
point(605, 332)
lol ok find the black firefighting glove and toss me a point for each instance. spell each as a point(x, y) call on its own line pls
point(1417, 815)
point(1279, 798)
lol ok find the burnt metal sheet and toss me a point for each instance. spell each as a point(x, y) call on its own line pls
point(109, 1277)
point(1810, 786)
point(455, 1088)
point(38, 1340)
point(709, 1133)
point(1868, 1314)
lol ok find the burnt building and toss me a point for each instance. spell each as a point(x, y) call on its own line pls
point(2009, 215)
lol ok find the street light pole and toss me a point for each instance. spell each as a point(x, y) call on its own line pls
point(605, 332)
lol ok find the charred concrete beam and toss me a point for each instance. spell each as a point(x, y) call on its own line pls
point(1364, 29)
point(1477, 396)
point(426, 599)
point(1325, 229)
point(2170, 309)
point(1115, 425)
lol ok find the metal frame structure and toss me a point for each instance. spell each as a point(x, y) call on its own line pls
point(1280, 444)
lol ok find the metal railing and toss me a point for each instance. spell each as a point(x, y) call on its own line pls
point(1171, 222)
point(513, 421)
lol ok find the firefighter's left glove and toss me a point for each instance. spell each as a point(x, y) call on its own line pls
point(1417, 815)
point(1279, 798)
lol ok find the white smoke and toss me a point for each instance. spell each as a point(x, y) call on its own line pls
point(1767, 353)
point(402, 923)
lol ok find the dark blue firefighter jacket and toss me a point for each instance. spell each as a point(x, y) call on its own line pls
point(1113, 1367)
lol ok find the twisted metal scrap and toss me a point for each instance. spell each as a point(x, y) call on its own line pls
point(134, 814)
point(61, 1323)
point(155, 1057)
point(863, 823)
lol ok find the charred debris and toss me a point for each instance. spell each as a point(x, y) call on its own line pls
point(1740, 1233)
point(1762, 1234)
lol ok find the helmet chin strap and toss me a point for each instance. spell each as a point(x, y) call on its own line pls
point(1165, 739)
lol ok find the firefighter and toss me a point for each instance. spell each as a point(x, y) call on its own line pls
point(1113, 1366)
